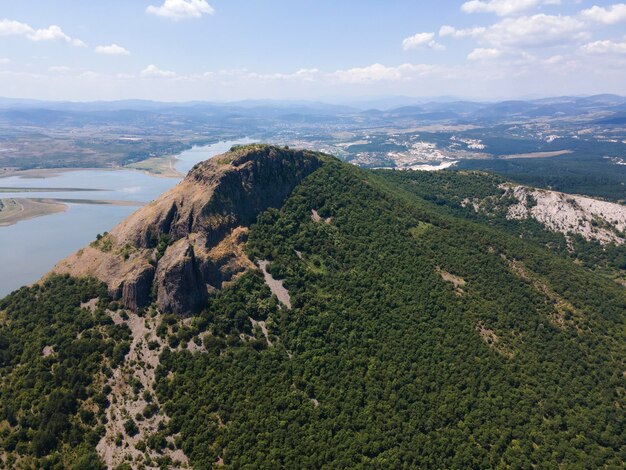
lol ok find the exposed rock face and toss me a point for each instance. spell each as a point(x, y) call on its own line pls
point(593, 219)
point(190, 240)
point(181, 286)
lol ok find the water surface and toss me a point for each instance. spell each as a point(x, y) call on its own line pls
point(30, 248)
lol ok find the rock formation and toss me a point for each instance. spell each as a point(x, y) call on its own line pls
point(189, 241)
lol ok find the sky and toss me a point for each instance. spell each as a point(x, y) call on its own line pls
point(328, 50)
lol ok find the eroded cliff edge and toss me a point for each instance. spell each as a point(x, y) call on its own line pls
point(189, 241)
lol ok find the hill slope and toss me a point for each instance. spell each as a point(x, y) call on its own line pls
point(407, 335)
point(187, 242)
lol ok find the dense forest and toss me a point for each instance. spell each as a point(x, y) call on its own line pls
point(448, 190)
point(382, 362)
point(419, 335)
point(584, 172)
point(53, 356)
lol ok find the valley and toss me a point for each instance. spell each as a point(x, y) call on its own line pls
point(569, 144)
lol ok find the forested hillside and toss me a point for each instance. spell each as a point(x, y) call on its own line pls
point(482, 197)
point(415, 334)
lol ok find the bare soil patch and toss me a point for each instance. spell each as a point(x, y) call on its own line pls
point(456, 281)
point(275, 285)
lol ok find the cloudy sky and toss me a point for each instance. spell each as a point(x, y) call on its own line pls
point(176, 50)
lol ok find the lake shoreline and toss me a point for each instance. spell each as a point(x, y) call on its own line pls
point(15, 210)
point(163, 166)
point(33, 246)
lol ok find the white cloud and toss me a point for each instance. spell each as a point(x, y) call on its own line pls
point(51, 33)
point(605, 47)
point(113, 49)
point(535, 30)
point(305, 75)
point(181, 9)
point(504, 7)
point(461, 33)
point(552, 60)
point(4, 61)
point(59, 69)
point(420, 40)
point(11, 27)
point(152, 71)
point(609, 15)
point(372, 72)
point(512, 74)
point(484, 54)
point(379, 72)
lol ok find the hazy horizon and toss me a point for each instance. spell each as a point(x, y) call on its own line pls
point(323, 100)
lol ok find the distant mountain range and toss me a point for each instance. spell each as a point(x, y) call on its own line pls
point(398, 105)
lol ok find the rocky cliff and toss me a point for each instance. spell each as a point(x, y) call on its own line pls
point(189, 241)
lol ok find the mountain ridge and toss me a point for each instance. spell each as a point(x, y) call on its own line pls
point(187, 242)
point(410, 331)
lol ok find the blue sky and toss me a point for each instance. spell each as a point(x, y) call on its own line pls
point(332, 50)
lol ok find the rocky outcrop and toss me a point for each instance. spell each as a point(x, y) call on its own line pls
point(189, 241)
point(601, 221)
point(180, 283)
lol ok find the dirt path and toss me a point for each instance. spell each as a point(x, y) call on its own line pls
point(275, 285)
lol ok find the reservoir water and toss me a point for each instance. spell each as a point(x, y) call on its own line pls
point(30, 248)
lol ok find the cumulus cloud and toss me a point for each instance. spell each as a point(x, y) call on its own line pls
point(11, 27)
point(379, 72)
point(113, 49)
point(51, 33)
point(152, 71)
point(605, 47)
point(420, 40)
point(447, 30)
point(181, 9)
point(610, 15)
point(59, 69)
point(484, 54)
point(305, 75)
point(513, 33)
point(504, 7)
point(535, 30)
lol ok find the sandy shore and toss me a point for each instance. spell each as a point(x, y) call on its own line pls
point(107, 202)
point(9, 189)
point(158, 166)
point(14, 210)
point(43, 173)
point(163, 167)
point(536, 155)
